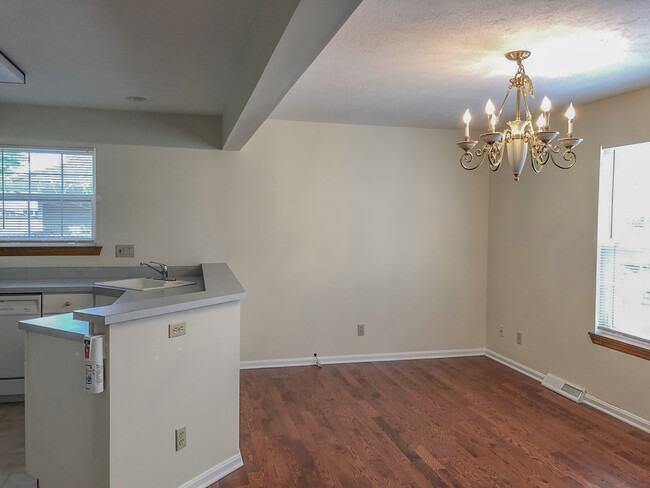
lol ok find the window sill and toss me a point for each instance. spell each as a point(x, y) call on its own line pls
point(50, 250)
point(622, 345)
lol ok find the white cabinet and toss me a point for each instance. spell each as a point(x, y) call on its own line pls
point(55, 303)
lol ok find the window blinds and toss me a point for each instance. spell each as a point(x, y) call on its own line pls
point(623, 279)
point(47, 195)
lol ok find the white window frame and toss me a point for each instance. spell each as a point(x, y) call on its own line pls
point(5, 242)
point(605, 238)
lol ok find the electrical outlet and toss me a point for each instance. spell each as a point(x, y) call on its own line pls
point(361, 329)
point(124, 251)
point(518, 337)
point(181, 438)
point(177, 329)
point(501, 330)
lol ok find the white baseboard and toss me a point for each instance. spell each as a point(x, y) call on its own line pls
point(215, 473)
point(536, 375)
point(619, 413)
point(362, 358)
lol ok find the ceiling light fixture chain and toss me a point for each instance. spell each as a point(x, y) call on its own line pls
point(519, 139)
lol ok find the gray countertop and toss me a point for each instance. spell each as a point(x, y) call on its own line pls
point(216, 284)
point(76, 280)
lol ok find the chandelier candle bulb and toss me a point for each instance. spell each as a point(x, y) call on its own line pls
point(546, 109)
point(541, 122)
point(489, 110)
point(466, 118)
point(570, 114)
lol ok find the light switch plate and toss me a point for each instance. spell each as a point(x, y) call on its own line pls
point(124, 251)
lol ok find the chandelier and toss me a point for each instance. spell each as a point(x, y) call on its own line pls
point(520, 138)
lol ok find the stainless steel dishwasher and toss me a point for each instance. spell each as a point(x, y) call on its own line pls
point(12, 343)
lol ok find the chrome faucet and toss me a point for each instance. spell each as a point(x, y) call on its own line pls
point(163, 270)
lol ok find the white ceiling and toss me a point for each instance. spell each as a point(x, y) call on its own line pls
point(394, 62)
point(183, 56)
point(421, 63)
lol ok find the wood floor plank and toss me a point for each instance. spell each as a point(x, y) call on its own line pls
point(459, 422)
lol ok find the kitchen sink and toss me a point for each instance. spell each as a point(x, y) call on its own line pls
point(143, 284)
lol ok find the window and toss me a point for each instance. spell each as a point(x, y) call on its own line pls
point(47, 195)
point(623, 279)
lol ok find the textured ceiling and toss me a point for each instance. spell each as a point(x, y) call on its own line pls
point(183, 57)
point(394, 62)
point(421, 63)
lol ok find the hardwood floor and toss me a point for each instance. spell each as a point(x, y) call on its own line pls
point(460, 422)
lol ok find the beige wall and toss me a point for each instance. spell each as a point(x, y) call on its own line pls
point(331, 225)
point(166, 201)
point(326, 226)
point(542, 262)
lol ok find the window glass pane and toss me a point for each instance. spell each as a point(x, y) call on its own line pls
point(631, 195)
point(47, 194)
point(623, 294)
point(45, 169)
point(78, 174)
point(15, 170)
point(77, 220)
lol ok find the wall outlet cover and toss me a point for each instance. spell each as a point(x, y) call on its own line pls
point(361, 329)
point(177, 329)
point(181, 438)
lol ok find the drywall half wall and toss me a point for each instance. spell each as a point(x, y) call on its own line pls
point(327, 226)
point(542, 262)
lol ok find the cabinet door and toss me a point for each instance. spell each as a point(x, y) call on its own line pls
point(54, 303)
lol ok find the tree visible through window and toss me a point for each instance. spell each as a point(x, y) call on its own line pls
point(623, 295)
point(47, 195)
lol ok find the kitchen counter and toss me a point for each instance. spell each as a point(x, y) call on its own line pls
point(217, 284)
point(77, 280)
point(154, 382)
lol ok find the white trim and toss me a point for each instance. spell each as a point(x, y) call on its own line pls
point(619, 413)
point(530, 372)
point(592, 401)
point(619, 334)
point(215, 473)
point(361, 358)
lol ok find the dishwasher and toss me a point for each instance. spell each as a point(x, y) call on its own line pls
point(14, 308)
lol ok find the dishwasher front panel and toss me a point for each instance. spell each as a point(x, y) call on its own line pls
point(14, 308)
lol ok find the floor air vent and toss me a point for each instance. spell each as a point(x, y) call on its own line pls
point(560, 386)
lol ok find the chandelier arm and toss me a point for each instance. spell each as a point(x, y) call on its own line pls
point(537, 158)
point(536, 169)
point(550, 151)
point(528, 116)
point(570, 157)
point(498, 149)
point(504, 102)
point(467, 158)
point(493, 153)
